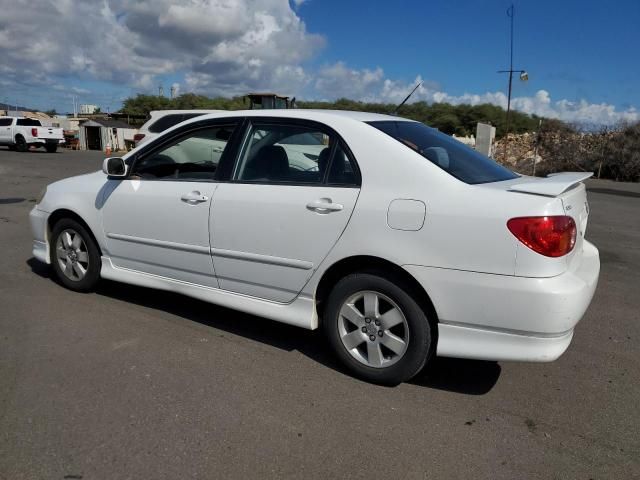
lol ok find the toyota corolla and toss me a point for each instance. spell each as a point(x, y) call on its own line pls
point(395, 239)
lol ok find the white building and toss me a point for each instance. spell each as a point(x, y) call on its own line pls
point(88, 109)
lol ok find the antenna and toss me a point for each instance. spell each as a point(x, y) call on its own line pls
point(395, 112)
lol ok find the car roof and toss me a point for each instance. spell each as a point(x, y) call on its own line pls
point(308, 114)
point(162, 113)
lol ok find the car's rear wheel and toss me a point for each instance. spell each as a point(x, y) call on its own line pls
point(75, 256)
point(377, 328)
point(51, 148)
point(21, 144)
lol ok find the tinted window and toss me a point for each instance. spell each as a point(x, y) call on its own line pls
point(169, 121)
point(449, 154)
point(5, 122)
point(192, 157)
point(341, 170)
point(273, 155)
point(294, 154)
point(28, 122)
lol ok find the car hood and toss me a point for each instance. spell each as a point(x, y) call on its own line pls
point(79, 182)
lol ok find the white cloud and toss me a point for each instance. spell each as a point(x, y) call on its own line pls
point(220, 45)
point(338, 80)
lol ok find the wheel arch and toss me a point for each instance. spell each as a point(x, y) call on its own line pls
point(372, 264)
point(61, 213)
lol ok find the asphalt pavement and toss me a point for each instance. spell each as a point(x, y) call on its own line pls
point(132, 383)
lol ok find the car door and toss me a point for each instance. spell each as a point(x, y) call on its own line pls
point(277, 217)
point(157, 219)
point(5, 130)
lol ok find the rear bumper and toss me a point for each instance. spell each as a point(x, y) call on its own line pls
point(482, 344)
point(501, 317)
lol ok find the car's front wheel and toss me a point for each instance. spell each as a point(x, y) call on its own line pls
point(377, 328)
point(75, 255)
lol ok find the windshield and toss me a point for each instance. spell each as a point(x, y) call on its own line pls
point(449, 154)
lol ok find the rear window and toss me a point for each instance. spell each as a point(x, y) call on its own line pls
point(169, 121)
point(28, 122)
point(449, 154)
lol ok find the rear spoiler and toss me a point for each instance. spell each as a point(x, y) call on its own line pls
point(553, 185)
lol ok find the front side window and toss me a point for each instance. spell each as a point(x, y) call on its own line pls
point(5, 122)
point(449, 154)
point(194, 156)
point(293, 154)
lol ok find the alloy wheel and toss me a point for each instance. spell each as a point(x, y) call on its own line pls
point(72, 255)
point(373, 329)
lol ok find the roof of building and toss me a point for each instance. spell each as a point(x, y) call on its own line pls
point(106, 122)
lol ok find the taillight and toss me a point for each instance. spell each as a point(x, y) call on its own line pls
point(137, 137)
point(34, 132)
point(552, 236)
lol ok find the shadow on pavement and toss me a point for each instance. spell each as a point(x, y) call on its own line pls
point(458, 375)
point(455, 375)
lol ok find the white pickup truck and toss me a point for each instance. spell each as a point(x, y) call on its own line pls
point(21, 133)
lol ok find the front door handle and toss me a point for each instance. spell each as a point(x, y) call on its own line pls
point(324, 205)
point(194, 197)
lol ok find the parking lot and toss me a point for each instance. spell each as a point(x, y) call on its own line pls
point(129, 382)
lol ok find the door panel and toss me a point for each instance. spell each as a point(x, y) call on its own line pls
point(160, 227)
point(5, 130)
point(157, 221)
point(266, 240)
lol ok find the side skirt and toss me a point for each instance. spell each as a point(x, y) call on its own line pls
point(301, 312)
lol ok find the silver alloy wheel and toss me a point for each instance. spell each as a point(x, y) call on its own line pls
point(72, 255)
point(373, 329)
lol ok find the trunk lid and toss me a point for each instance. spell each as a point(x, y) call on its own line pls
point(558, 194)
point(552, 186)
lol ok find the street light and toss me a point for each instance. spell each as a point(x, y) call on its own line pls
point(524, 76)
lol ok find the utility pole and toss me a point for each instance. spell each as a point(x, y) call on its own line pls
point(173, 91)
point(160, 90)
point(524, 76)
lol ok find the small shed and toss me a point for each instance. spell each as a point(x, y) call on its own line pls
point(98, 133)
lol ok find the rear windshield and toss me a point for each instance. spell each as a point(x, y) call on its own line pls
point(28, 122)
point(169, 121)
point(449, 154)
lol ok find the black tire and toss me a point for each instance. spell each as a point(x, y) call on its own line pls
point(51, 148)
point(419, 344)
point(21, 144)
point(92, 276)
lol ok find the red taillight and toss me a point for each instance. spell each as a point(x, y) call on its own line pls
point(137, 137)
point(34, 132)
point(552, 236)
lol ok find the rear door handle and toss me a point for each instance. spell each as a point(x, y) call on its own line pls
point(194, 197)
point(324, 205)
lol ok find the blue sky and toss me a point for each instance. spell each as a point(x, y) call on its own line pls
point(574, 49)
point(581, 56)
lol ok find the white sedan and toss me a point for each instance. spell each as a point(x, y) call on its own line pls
point(398, 241)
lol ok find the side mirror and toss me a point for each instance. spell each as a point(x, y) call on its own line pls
point(114, 167)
